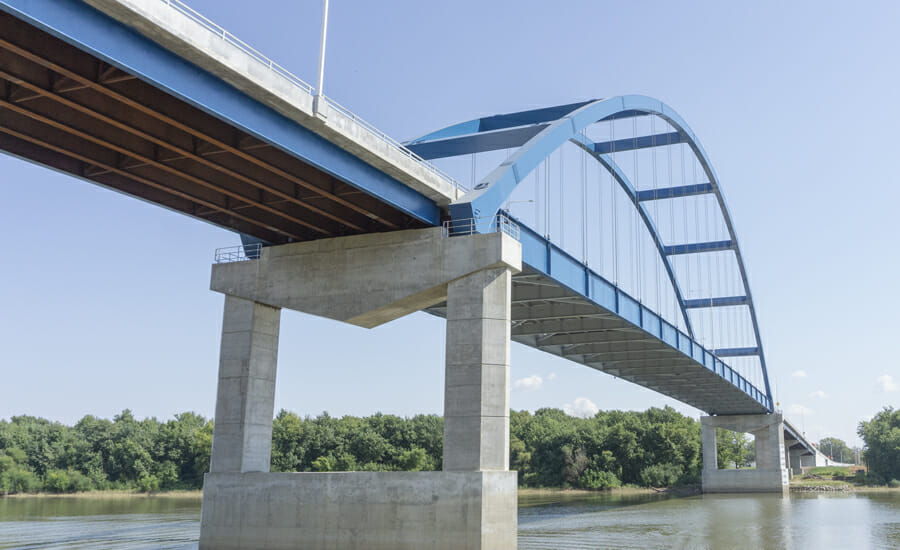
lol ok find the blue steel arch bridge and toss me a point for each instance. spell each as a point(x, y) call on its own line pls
point(631, 261)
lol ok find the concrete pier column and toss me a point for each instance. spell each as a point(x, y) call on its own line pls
point(245, 399)
point(476, 391)
point(709, 447)
point(770, 474)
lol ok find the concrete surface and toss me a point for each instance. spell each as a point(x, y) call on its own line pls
point(365, 280)
point(355, 510)
point(201, 46)
point(769, 476)
point(245, 399)
point(476, 385)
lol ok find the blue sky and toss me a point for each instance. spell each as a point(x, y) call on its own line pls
point(106, 302)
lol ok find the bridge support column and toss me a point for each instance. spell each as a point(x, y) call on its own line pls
point(368, 280)
point(245, 400)
point(770, 474)
point(794, 464)
point(476, 385)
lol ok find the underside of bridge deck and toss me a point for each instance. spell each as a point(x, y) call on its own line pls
point(64, 108)
point(552, 318)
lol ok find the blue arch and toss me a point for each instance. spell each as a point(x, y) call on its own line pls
point(543, 132)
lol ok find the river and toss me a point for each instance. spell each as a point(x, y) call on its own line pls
point(837, 520)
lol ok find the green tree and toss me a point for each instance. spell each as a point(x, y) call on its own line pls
point(881, 436)
point(733, 448)
point(836, 449)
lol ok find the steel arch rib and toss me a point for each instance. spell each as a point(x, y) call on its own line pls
point(488, 196)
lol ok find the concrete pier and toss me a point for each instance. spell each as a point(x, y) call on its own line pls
point(245, 400)
point(769, 476)
point(367, 280)
point(476, 386)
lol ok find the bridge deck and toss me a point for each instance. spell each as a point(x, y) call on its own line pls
point(117, 123)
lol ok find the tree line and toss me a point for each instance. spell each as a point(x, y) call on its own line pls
point(548, 448)
point(658, 447)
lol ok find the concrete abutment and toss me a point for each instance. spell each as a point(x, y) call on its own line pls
point(367, 280)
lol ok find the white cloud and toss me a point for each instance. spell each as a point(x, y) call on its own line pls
point(551, 376)
point(532, 382)
point(886, 383)
point(798, 374)
point(819, 393)
point(583, 408)
point(800, 410)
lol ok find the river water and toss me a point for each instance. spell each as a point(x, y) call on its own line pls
point(557, 521)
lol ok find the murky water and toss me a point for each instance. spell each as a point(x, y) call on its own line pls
point(854, 520)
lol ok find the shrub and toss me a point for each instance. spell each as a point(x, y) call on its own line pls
point(661, 475)
point(894, 483)
point(19, 480)
point(56, 481)
point(79, 482)
point(594, 479)
point(324, 464)
point(148, 483)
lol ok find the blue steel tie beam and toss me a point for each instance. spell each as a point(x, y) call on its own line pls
point(537, 134)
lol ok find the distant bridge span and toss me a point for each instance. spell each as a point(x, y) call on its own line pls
point(149, 98)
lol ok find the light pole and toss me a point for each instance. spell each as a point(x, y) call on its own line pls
point(319, 97)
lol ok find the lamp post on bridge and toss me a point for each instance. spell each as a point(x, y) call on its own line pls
point(319, 97)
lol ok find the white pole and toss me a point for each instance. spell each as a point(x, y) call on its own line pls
point(319, 87)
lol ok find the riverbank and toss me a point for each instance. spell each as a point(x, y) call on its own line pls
point(685, 490)
point(112, 494)
point(524, 491)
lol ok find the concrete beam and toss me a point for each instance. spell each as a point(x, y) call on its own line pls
point(365, 280)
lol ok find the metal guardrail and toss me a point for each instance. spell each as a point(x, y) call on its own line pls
point(195, 16)
point(499, 223)
point(240, 253)
point(395, 144)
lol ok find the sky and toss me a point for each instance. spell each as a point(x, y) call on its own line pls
point(105, 300)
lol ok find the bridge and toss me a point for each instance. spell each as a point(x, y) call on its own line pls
point(596, 231)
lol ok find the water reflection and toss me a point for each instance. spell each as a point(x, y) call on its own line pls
point(854, 520)
point(546, 520)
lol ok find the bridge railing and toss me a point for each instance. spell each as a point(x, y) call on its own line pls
point(393, 143)
point(240, 253)
point(499, 223)
point(198, 18)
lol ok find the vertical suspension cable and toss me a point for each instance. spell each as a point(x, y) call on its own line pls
point(584, 202)
point(537, 194)
point(600, 231)
point(655, 204)
point(684, 219)
point(615, 203)
point(562, 198)
point(636, 216)
point(546, 166)
point(672, 231)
